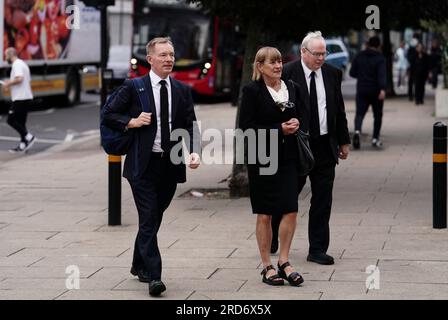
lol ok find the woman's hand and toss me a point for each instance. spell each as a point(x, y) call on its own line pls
point(290, 126)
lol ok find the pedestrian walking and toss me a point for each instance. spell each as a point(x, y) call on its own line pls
point(422, 67)
point(21, 97)
point(152, 173)
point(435, 62)
point(401, 64)
point(269, 103)
point(410, 55)
point(320, 86)
point(369, 68)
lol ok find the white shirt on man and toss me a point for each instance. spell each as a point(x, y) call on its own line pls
point(22, 90)
point(321, 96)
point(155, 84)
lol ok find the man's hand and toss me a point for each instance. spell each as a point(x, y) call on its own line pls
point(343, 151)
point(382, 95)
point(144, 119)
point(194, 161)
point(290, 126)
point(6, 84)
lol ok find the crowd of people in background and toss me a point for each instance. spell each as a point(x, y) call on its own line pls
point(418, 65)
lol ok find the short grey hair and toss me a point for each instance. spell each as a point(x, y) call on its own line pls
point(10, 52)
point(311, 36)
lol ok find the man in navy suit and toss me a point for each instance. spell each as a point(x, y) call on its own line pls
point(152, 171)
point(320, 84)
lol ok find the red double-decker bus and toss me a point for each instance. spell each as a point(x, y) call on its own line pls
point(207, 49)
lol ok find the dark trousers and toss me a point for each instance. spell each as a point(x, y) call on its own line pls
point(435, 77)
point(363, 101)
point(411, 85)
point(17, 117)
point(321, 179)
point(153, 193)
point(420, 82)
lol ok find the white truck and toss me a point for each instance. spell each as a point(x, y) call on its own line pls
point(60, 42)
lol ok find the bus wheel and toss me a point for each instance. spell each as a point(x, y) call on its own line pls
point(72, 88)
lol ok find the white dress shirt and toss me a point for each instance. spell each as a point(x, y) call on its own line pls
point(279, 96)
point(155, 84)
point(321, 96)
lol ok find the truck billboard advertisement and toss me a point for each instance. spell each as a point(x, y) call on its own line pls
point(58, 39)
point(51, 31)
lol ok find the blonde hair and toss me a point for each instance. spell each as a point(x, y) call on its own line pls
point(151, 44)
point(263, 54)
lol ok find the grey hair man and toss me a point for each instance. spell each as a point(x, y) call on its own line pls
point(326, 121)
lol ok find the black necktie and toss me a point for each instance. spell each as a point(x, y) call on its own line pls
point(164, 117)
point(314, 117)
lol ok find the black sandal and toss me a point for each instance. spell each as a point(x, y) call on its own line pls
point(294, 278)
point(274, 280)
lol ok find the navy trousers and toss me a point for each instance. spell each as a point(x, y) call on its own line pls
point(363, 101)
point(153, 193)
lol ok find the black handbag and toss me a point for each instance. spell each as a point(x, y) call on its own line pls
point(305, 157)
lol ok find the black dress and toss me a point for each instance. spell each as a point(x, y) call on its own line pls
point(278, 193)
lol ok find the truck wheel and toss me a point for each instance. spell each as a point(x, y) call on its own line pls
point(72, 88)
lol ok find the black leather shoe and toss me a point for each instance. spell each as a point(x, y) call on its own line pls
point(156, 287)
point(141, 274)
point(320, 258)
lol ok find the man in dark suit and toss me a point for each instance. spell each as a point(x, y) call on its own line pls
point(150, 168)
point(320, 84)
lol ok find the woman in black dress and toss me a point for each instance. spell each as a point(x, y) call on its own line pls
point(272, 105)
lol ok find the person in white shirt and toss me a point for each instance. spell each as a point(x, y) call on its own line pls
point(401, 63)
point(21, 97)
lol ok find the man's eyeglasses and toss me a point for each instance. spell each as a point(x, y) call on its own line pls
point(318, 54)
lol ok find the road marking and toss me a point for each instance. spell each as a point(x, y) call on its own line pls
point(88, 105)
point(41, 113)
point(51, 141)
point(90, 132)
point(69, 137)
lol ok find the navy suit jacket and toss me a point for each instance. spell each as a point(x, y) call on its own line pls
point(336, 117)
point(126, 105)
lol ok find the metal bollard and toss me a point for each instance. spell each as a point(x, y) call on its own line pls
point(439, 176)
point(114, 190)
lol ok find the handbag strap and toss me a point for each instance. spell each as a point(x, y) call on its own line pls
point(139, 86)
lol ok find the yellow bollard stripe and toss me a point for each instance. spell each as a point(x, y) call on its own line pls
point(114, 158)
point(439, 158)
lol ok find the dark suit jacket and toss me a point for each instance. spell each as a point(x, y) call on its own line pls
point(126, 105)
point(259, 111)
point(336, 118)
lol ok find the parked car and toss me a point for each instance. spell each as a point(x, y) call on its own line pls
point(339, 56)
point(119, 62)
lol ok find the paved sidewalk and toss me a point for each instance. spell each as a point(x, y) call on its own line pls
point(53, 214)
